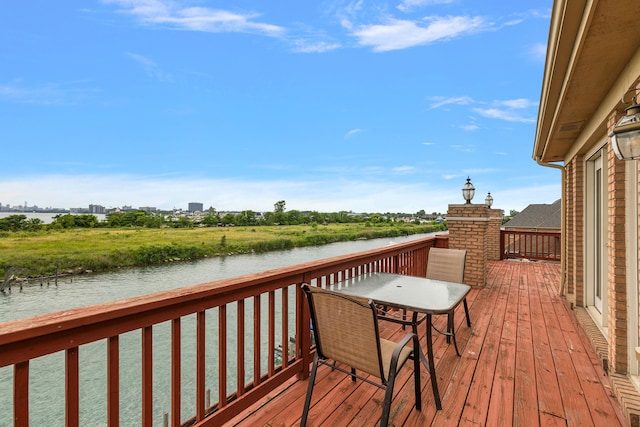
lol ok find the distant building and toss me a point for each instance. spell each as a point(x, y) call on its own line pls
point(148, 208)
point(195, 207)
point(96, 209)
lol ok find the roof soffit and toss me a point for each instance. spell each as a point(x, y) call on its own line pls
point(601, 38)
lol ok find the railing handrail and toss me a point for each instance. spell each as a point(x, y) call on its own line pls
point(25, 339)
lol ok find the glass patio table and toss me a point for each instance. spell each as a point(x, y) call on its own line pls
point(416, 294)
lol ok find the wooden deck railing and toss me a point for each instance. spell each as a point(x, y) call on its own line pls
point(276, 291)
point(530, 244)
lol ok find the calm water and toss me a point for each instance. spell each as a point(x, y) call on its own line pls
point(47, 373)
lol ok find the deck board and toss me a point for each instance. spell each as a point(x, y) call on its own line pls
point(524, 361)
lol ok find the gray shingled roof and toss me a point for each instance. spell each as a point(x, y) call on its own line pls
point(538, 216)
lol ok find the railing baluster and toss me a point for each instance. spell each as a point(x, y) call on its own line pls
point(21, 394)
point(285, 327)
point(222, 356)
point(176, 376)
point(72, 392)
point(113, 381)
point(256, 340)
point(147, 376)
point(200, 353)
point(271, 334)
point(240, 332)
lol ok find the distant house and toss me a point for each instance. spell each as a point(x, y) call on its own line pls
point(537, 217)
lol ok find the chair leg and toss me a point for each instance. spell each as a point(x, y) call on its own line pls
point(307, 400)
point(431, 363)
point(353, 375)
point(451, 333)
point(466, 311)
point(416, 374)
point(386, 404)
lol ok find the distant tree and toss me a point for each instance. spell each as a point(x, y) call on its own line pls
point(246, 218)
point(13, 223)
point(33, 224)
point(228, 219)
point(135, 219)
point(211, 219)
point(279, 206)
point(85, 221)
point(294, 217)
point(183, 222)
point(63, 221)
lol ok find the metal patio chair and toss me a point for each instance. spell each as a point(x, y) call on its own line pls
point(448, 265)
point(346, 331)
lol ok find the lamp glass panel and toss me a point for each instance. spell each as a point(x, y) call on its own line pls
point(626, 145)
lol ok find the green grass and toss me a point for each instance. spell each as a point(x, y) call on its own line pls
point(80, 250)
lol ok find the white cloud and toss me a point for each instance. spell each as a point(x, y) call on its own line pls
point(397, 34)
point(57, 93)
point(165, 12)
point(464, 148)
point(409, 5)
point(403, 169)
point(504, 114)
point(517, 103)
point(330, 195)
point(538, 51)
point(326, 195)
point(150, 67)
point(470, 127)
point(441, 101)
point(428, 143)
point(306, 46)
point(352, 132)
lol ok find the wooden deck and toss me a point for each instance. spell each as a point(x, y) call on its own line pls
point(525, 362)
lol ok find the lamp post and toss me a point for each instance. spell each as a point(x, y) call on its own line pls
point(625, 136)
point(468, 191)
point(489, 200)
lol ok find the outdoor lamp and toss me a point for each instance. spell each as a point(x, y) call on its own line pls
point(625, 136)
point(489, 200)
point(468, 191)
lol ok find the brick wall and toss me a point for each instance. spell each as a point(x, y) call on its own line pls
point(616, 262)
point(575, 233)
point(568, 234)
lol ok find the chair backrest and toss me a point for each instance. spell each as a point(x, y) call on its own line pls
point(446, 264)
point(345, 330)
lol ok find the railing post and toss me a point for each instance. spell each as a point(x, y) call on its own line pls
point(303, 329)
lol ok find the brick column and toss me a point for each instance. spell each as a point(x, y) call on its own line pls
point(617, 273)
point(493, 234)
point(475, 228)
point(575, 236)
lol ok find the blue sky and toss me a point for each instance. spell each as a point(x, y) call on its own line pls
point(369, 106)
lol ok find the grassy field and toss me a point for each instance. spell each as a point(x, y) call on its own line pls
point(101, 249)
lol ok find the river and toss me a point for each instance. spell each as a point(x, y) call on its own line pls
point(47, 373)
